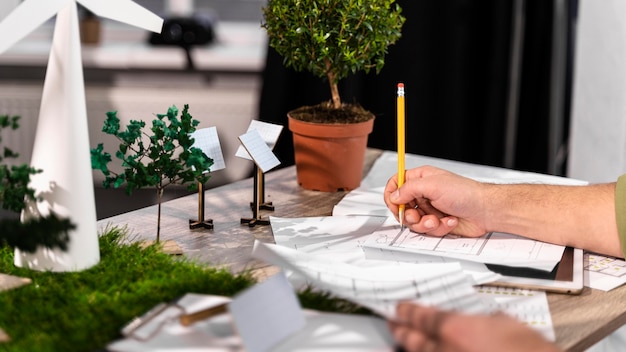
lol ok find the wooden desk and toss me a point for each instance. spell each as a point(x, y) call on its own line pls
point(579, 321)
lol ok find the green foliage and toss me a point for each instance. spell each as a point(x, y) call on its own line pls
point(14, 179)
point(168, 158)
point(333, 38)
point(326, 302)
point(83, 311)
point(49, 231)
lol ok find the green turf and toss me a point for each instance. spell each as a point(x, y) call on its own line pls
point(83, 311)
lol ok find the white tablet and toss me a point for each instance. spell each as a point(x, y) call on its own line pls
point(567, 276)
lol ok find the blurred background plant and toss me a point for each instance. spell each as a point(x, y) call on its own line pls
point(49, 231)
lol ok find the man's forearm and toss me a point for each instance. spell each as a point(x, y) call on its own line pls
point(578, 216)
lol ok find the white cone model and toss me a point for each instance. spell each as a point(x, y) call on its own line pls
point(61, 143)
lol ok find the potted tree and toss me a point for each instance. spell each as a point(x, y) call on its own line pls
point(331, 39)
point(168, 158)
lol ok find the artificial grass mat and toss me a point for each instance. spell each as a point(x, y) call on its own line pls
point(84, 311)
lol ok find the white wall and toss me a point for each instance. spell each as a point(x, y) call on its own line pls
point(598, 128)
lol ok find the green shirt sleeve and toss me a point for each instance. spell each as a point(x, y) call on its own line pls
point(620, 210)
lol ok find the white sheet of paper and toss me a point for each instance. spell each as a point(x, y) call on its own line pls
point(323, 332)
point(342, 238)
point(528, 306)
point(493, 248)
point(268, 131)
point(387, 164)
point(267, 313)
point(603, 272)
point(339, 236)
point(258, 149)
point(363, 201)
point(208, 141)
point(379, 288)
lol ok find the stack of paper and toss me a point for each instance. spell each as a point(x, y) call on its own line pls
point(364, 236)
point(380, 288)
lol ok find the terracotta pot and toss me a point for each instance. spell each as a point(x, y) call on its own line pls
point(329, 157)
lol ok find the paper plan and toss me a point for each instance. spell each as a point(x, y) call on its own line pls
point(528, 306)
point(207, 140)
point(603, 272)
point(380, 288)
point(342, 239)
point(269, 133)
point(493, 248)
point(260, 152)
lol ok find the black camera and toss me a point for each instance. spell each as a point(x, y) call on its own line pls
point(185, 31)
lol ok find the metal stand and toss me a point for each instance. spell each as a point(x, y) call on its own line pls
point(259, 201)
point(201, 222)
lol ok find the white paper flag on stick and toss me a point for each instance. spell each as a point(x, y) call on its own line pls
point(269, 133)
point(208, 141)
point(259, 151)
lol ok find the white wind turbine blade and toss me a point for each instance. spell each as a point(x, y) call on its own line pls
point(29, 15)
point(61, 150)
point(125, 11)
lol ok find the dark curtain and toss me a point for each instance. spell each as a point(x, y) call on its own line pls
point(454, 59)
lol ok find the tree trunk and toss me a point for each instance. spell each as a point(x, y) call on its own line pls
point(159, 197)
point(334, 91)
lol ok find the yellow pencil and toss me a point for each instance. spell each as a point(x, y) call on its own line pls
point(401, 136)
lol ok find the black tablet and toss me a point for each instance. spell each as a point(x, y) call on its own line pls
point(567, 276)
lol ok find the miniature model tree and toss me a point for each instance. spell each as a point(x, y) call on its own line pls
point(167, 159)
point(333, 38)
point(50, 231)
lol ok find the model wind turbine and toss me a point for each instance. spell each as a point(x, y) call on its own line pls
point(61, 146)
